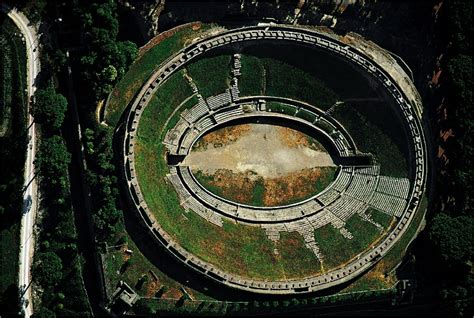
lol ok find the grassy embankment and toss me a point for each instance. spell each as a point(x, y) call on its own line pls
point(382, 275)
point(380, 135)
point(142, 69)
point(277, 78)
point(211, 74)
point(337, 250)
point(240, 249)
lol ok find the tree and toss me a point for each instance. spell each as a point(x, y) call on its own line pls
point(453, 237)
point(48, 269)
point(43, 312)
point(49, 108)
point(53, 160)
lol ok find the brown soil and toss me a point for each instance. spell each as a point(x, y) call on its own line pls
point(222, 137)
point(292, 188)
point(294, 139)
point(152, 288)
point(237, 187)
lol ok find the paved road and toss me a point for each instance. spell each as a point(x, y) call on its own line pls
point(30, 195)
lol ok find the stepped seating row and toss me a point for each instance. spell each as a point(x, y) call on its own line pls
point(394, 186)
point(362, 186)
point(222, 116)
point(220, 100)
point(204, 124)
point(328, 196)
point(343, 180)
point(347, 206)
point(193, 114)
point(173, 135)
point(189, 138)
point(388, 204)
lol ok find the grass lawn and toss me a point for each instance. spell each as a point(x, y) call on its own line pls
point(381, 218)
point(277, 107)
point(375, 139)
point(239, 249)
point(378, 277)
point(286, 80)
point(294, 254)
point(251, 81)
point(336, 249)
point(211, 74)
point(395, 255)
point(142, 69)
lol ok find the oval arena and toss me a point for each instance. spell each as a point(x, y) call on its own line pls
point(360, 185)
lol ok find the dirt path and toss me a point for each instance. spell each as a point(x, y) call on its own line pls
point(269, 151)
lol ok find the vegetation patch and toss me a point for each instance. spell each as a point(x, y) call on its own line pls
point(252, 189)
point(251, 80)
point(338, 250)
point(294, 254)
point(221, 137)
point(286, 80)
point(211, 74)
point(281, 108)
point(12, 158)
point(143, 68)
point(370, 135)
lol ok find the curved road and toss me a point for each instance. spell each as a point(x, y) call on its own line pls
point(30, 185)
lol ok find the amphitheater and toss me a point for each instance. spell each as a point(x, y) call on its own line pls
point(355, 189)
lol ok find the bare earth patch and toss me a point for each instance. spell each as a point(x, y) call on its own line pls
point(258, 148)
point(261, 165)
point(221, 137)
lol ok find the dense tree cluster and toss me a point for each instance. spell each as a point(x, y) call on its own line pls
point(107, 59)
point(451, 231)
point(49, 108)
point(57, 266)
point(103, 181)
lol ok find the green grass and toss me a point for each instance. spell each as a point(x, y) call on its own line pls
point(175, 118)
point(294, 254)
point(381, 218)
point(139, 266)
point(303, 114)
point(211, 74)
point(378, 277)
point(9, 252)
point(336, 249)
point(395, 255)
point(251, 80)
point(370, 136)
point(286, 80)
point(277, 107)
point(207, 182)
point(258, 193)
point(142, 69)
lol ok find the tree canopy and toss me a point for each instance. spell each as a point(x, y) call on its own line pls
point(49, 108)
point(48, 268)
point(453, 236)
point(53, 159)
